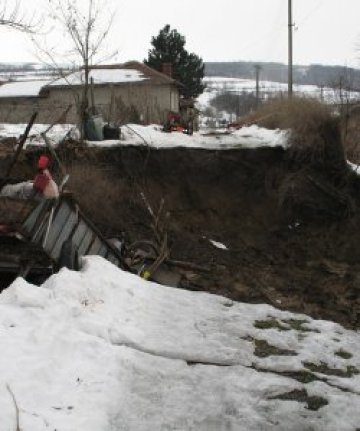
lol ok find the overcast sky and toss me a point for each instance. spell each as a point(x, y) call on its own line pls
point(326, 31)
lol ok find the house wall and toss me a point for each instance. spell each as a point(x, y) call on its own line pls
point(144, 103)
point(20, 109)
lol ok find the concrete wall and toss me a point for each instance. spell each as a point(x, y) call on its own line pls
point(145, 103)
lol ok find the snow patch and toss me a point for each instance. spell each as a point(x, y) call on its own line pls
point(103, 349)
point(218, 245)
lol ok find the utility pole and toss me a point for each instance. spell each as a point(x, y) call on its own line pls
point(290, 53)
point(257, 75)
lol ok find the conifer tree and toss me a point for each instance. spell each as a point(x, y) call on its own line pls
point(187, 68)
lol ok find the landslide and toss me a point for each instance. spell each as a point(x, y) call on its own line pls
point(289, 219)
point(291, 228)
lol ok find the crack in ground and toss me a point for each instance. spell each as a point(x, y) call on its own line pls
point(190, 362)
point(302, 376)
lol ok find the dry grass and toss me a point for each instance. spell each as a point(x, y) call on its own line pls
point(315, 184)
point(285, 113)
point(352, 136)
point(315, 129)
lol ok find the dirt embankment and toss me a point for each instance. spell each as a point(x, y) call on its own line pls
point(291, 235)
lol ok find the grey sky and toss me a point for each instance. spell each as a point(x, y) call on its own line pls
point(326, 32)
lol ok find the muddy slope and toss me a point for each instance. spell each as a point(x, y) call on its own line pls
point(302, 256)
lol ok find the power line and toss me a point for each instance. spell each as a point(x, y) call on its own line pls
point(309, 14)
point(265, 38)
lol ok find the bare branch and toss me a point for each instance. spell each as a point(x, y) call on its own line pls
point(85, 25)
point(17, 411)
point(12, 18)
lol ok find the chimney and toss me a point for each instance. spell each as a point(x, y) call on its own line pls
point(166, 69)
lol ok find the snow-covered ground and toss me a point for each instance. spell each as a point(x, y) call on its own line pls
point(153, 136)
point(102, 349)
point(57, 132)
point(246, 137)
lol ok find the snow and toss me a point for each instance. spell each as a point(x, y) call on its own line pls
point(22, 88)
point(218, 244)
point(152, 136)
point(55, 134)
point(102, 349)
point(354, 167)
point(101, 76)
point(218, 84)
point(31, 88)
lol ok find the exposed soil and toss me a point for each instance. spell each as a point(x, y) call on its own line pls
point(299, 251)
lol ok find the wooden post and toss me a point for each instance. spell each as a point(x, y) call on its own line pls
point(290, 50)
point(21, 143)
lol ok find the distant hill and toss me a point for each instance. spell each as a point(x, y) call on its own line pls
point(26, 71)
point(315, 74)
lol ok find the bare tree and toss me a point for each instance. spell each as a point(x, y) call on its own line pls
point(85, 25)
point(12, 17)
point(343, 87)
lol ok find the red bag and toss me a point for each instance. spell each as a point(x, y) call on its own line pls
point(40, 182)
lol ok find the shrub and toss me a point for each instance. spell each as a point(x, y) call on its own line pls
point(352, 135)
point(239, 104)
point(315, 130)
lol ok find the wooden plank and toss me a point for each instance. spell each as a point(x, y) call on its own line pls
point(21, 144)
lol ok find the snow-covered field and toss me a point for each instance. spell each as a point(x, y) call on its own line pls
point(101, 349)
point(216, 85)
point(267, 89)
